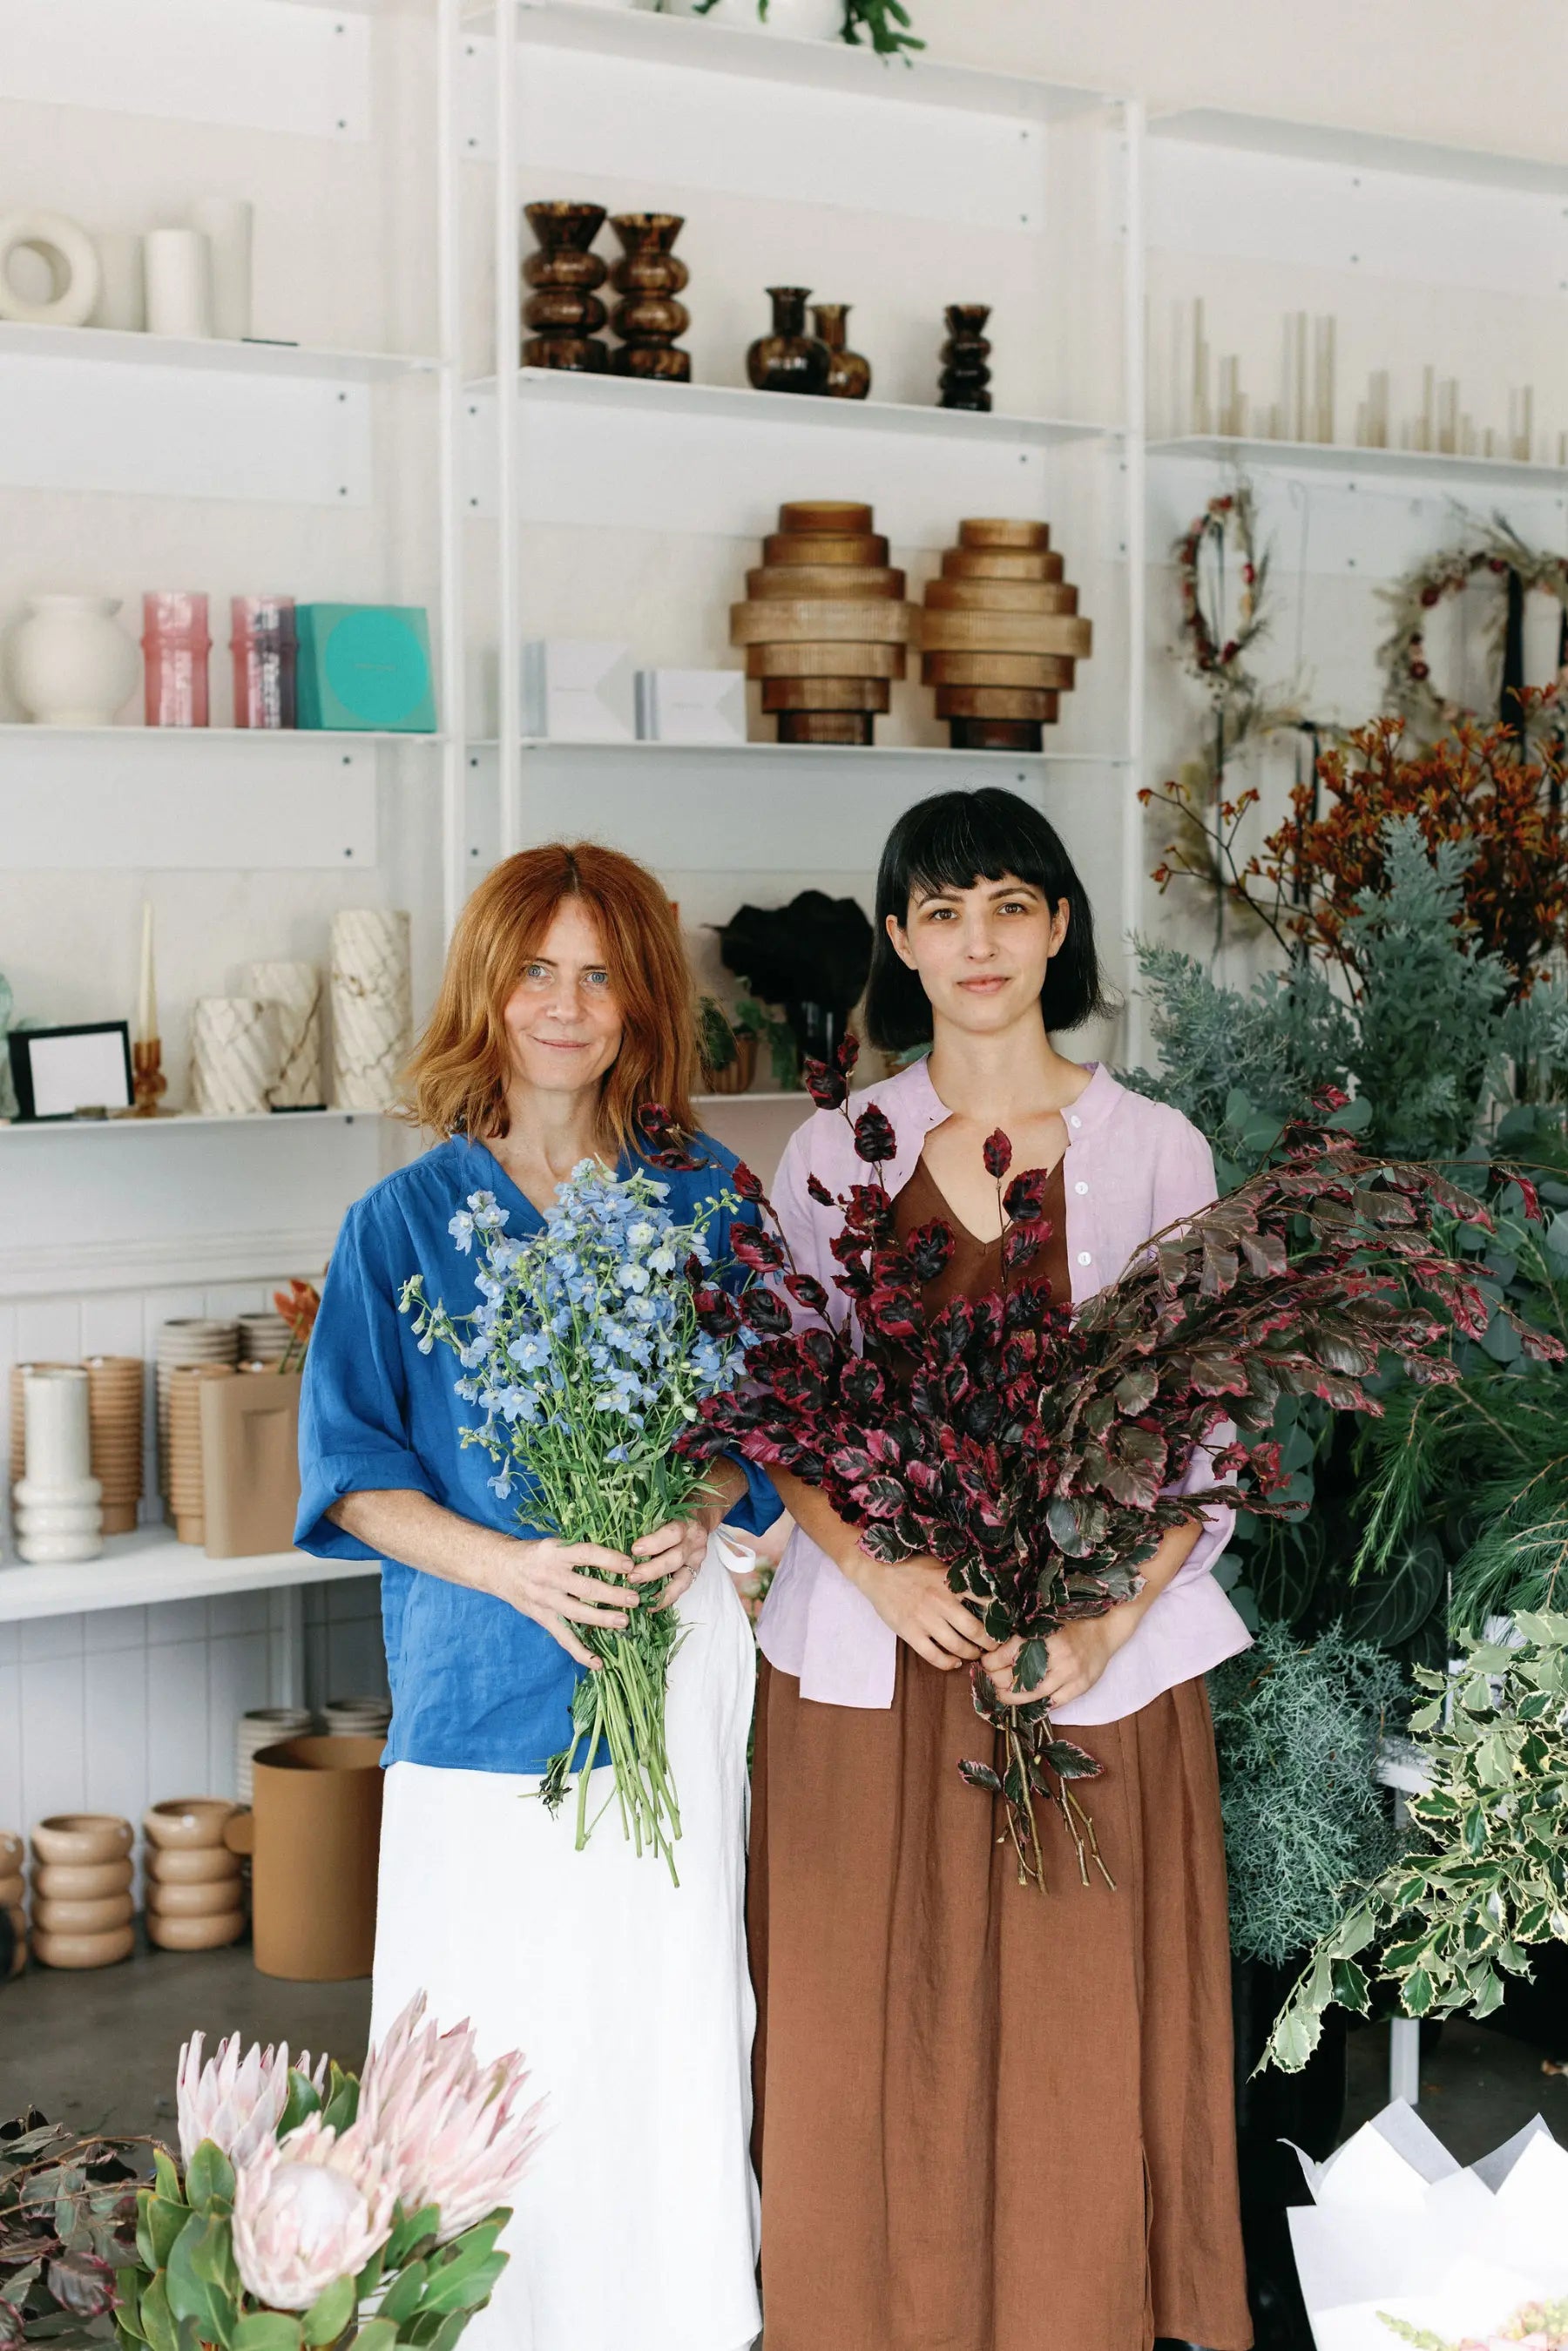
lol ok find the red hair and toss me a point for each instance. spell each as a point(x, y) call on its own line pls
point(462, 1065)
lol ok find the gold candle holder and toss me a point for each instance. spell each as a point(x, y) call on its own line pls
point(148, 1083)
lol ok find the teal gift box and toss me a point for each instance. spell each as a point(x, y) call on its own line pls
point(365, 667)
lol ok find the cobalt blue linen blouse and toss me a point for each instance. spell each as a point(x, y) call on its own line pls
point(476, 1687)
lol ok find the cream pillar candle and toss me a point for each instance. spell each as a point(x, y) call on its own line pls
point(372, 1006)
point(233, 1055)
point(294, 992)
point(147, 999)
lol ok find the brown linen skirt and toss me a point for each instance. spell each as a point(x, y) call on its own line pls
point(989, 2118)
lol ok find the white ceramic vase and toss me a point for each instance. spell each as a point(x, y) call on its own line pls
point(294, 992)
point(70, 665)
point(233, 1055)
point(800, 20)
point(58, 1503)
point(372, 1006)
point(179, 284)
point(226, 223)
point(122, 284)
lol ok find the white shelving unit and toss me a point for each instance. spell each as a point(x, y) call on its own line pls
point(150, 1568)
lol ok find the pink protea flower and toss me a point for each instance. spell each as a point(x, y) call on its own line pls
point(309, 2210)
point(448, 2125)
point(236, 2102)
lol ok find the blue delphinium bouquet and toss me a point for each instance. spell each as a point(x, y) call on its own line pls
point(587, 1360)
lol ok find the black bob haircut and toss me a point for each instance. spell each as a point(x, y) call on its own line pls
point(949, 842)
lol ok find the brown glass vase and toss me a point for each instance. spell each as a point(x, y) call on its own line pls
point(648, 317)
point(965, 377)
point(563, 313)
point(848, 375)
point(789, 360)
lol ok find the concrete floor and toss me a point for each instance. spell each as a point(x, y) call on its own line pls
point(101, 2050)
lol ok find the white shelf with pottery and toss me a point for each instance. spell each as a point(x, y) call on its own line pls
point(819, 756)
point(1345, 460)
point(107, 347)
point(646, 37)
point(180, 1122)
point(1359, 151)
point(149, 1567)
point(15, 733)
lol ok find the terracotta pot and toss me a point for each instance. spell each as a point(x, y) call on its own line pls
point(191, 1865)
point(85, 1950)
point(58, 1881)
point(213, 1901)
point(187, 1822)
point(82, 1838)
point(315, 1835)
point(11, 1852)
point(194, 1934)
point(737, 1078)
point(11, 1890)
point(82, 1918)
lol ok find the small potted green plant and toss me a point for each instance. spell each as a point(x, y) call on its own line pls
point(728, 1055)
point(883, 23)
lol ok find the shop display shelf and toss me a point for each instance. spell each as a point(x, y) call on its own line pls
point(150, 1566)
point(1335, 457)
point(1365, 150)
point(110, 347)
point(179, 1121)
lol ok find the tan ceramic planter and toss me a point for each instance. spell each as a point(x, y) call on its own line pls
point(81, 1839)
point(87, 1882)
point(82, 1918)
point(18, 1919)
point(210, 1901)
point(197, 1864)
point(12, 1891)
point(315, 1834)
point(85, 1950)
point(187, 1822)
point(11, 1852)
point(194, 1934)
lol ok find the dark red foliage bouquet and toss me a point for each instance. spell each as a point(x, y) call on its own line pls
point(1032, 1449)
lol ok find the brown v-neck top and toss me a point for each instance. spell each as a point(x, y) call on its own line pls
point(975, 1268)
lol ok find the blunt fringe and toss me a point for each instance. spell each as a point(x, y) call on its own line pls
point(949, 842)
point(457, 1081)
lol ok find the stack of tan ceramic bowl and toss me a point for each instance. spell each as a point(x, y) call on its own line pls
point(1000, 636)
point(190, 1339)
point(11, 1893)
point(187, 1491)
point(82, 1902)
point(263, 1726)
point(18, 1414)
point(196, 1901)
point(115, 1402)
point(263, 1338)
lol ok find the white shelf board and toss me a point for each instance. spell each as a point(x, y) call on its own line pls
point(13, 731)
point(1328, 457)
point(116, 799)
point(142, 1568)
point(739, 404)
point(1322, 142)
point(641, 34)
point(112, 348)
point(808, 756)
point(180, 1122)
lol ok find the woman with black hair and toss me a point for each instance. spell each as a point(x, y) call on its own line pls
point(989, 2120)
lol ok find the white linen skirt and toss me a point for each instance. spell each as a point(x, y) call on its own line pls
point(636, 2227)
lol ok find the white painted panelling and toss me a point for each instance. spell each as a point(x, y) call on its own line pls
point(641, 117)
point(182, 433)
point(177, 1719)
point(115, 1711)
point(263, 65)
point(70, 806)
point(52, 1712)
point(1227, 201)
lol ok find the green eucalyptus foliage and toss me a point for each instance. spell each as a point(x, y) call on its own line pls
point(1484, 1873)
point(1296, 1728)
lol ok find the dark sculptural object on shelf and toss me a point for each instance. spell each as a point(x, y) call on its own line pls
point(789, 360)
point(848, 375)
point(965, 377)
point(563, 313)
point(648, 317)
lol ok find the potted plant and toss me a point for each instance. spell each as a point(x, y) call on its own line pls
point(729, 1055)
point(884, 24)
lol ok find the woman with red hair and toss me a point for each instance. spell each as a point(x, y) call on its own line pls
point(566, 1008)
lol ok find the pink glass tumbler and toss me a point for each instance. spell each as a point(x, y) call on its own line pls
point(174, 648)
point(262, 641)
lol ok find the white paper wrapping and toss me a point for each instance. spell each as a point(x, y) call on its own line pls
point(372, 1006)
point(295, 991)
point(1398, 2227)
point(233, 1055)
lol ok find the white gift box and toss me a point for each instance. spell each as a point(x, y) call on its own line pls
point(579, 690)
point(1398, 2226)
point(690, 705)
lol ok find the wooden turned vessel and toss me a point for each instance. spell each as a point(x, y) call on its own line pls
point(563, 314)
point(826, 625)
point(1001, 637)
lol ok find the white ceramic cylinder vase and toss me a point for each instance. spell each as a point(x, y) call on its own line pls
point(372, 1006)
point(179, 284)
point(58, 1512)
point(293, 991)
point(800, 20)
point(70, 665)
point(233, 1055)
point(226, 223)
point(123, 282)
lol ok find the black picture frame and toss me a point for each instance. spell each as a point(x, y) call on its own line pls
point(23, 1043)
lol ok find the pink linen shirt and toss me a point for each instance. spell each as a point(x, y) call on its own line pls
point(1131, 1167)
